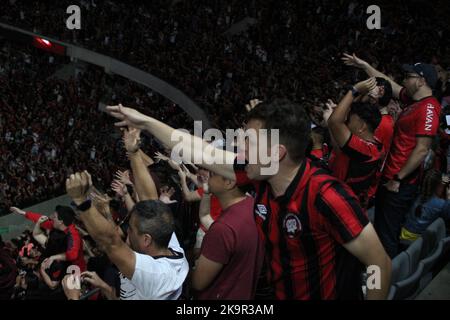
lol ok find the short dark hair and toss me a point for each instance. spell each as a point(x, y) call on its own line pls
point(65, 214)
point(292, 121)
point(368, 113)
point(56, 243)
point(155, 218)
point(386, 98)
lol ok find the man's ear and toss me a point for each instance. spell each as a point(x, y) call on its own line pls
point(279, 152)
point(364, 127)
point(148, 240)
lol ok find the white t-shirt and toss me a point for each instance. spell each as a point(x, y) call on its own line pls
point(156, 278)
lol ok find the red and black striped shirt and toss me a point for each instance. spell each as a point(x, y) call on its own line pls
point(303, 232)
point(358, 163)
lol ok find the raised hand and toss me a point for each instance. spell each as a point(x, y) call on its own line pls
point(161, 157)
point(366, 86)
point(124, 177)
point(120, 188)
point(330, 104)
point(101, 202)
point(17, 211)
point(42, 219)
point(127, 116)
point(166, 194)
point(353, 61)
point(78, 185)
point(253, 103)
point(132, 139)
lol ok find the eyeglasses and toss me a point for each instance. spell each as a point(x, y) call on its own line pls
point(407, 76)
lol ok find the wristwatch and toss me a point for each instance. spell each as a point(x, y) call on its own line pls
point(84, 206)
point(355, 92)
point(397, 178)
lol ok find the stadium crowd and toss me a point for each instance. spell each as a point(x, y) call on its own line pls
point(372, 139)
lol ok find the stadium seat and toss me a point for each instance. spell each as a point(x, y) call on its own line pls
point(429, 243)
point(392, 292)
point(405, 281)
point(414, 251)
point(408, 288)
point(400, 267)
point(445, 245)
point(438, 227)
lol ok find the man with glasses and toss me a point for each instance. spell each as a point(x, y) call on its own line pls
point(413, 133)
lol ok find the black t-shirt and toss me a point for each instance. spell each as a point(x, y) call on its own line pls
point(112, 278)
point(57, 270)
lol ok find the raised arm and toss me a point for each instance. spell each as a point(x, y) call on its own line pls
point(204, 211)
point(173, 164)
point(38, 234)
point(100, 229)
point(188, 195)
point(337, 121)
point(144, 184)
point(354, 61)
point(184, 143)
point(121, 190)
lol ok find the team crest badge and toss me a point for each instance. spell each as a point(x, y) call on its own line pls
point(292, 225)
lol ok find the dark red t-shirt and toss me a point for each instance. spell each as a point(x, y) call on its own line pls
point(234, 242)
point(418, 119)
point(303, 232)
point(357, 164)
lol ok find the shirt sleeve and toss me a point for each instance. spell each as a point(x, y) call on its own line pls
point(219, 243)
point(73, 244)
point(145, 274)
point(343, 216)
point(427, 120)
point(32, 216)
point(358, 149)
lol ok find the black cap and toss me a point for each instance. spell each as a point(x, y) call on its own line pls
point(428, 71)
point(66, 214)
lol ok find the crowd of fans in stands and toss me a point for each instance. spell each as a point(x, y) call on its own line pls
point(52, 130)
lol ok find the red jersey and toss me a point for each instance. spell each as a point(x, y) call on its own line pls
point(418, 119)
point(74, 251)
point(385, 131)
point(303, 232)
point(357, 163)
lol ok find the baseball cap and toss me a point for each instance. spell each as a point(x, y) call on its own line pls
point(428, 71)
